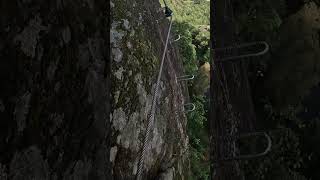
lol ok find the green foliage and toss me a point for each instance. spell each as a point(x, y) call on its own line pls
point(186, 48)
point(193, 46)
point(255, 19)
point(286, 157)
point(198, 136)
point(191, 21)
point(295, 67)
point(188, 11)
point(291, 70)
point(201, 41)
point(197, 122)
point(201, 81)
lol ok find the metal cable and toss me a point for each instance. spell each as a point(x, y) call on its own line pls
point(153, 109)
point(165, 3)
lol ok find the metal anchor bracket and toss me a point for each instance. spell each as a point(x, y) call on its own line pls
point(242, 46)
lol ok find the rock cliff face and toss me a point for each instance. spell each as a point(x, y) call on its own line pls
point(56, 121)
point(54, 90)
point(138, 34)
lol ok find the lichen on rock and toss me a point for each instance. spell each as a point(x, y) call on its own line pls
point(113, 153)
point(136, 46)
point(119, 119)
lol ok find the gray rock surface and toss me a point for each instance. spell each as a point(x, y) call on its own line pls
point(137, 44)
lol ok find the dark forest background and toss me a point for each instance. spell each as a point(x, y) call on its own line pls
point(285, 85)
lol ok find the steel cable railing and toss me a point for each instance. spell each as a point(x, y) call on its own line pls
point(153, 109)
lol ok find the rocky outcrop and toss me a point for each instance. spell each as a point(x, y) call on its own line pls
point(138, 33)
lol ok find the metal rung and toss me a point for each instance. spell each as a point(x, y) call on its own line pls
point(179, 37)
point(185, 78)
point(265, 50)
point(194, 2)
point(189, 110)
point(250, 156)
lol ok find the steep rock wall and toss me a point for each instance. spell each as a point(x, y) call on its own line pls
point(54, 90)
point(137, 42)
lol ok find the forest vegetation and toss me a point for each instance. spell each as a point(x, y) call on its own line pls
point(284, 83)
point(286, 87)
point(191, 22)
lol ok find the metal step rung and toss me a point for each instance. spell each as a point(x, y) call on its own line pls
point(249, 156)
point(189, 110)
point(245, 45)
point(194, 2)
point(179, 37)
point(185, 78)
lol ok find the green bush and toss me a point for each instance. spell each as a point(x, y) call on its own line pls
point(186, 48)
point(201, 81)
point(194, 50)
point(198, 136)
